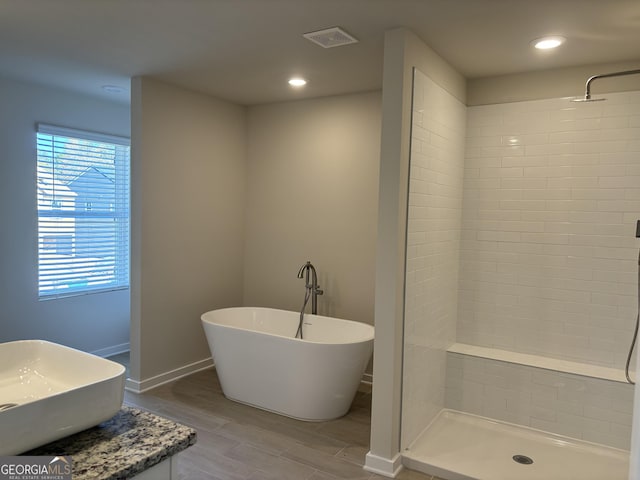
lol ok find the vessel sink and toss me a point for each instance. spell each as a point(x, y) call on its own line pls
point(49, 391)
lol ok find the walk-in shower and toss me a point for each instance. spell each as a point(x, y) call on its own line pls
point(521, 286)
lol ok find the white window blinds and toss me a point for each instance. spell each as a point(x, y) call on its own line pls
point(83, 211)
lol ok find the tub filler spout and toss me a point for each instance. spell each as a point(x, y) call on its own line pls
point(312, 289)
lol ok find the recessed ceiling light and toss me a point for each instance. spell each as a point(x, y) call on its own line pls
point(547, 43)
point(297, 82)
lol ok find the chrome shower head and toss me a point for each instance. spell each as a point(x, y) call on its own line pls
point(587, 92)
point(587, 100)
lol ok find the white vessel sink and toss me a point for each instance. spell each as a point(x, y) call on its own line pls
point(48, 391)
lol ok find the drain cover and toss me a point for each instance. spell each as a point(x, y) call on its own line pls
point(522, 459)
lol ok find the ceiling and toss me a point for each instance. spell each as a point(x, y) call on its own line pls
point(245, 50)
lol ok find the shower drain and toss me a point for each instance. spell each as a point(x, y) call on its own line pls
point(522, 459)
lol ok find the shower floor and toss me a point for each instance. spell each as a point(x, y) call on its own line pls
point(461, 446)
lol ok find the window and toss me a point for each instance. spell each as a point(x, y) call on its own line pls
point(83, 211)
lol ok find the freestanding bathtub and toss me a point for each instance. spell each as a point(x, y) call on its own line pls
point(260, 363)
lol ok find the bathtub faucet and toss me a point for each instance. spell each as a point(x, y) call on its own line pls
point(313, 288)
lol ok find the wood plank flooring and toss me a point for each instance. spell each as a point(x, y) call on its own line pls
point(237, 442)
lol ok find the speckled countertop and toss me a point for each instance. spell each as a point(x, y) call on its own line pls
point(124, 446)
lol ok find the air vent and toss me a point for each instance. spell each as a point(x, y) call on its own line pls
point(330, 37)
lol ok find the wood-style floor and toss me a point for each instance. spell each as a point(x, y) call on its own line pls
point(237, 442)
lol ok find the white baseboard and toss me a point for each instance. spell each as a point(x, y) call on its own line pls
point(142, 386)
point(110, 351)
point(383, 466)
point(136, 386)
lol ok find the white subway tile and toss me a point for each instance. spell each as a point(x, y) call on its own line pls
point(632, 193)
point(544, 216)
point(550, 194)
point(500, 172)
point(547, 252)
point(587, 124)
point(575, 136)
point(572, 182)
point(551, 149)
point(542, 413)
point(612, 193)
point(633, 146)
point(578, 159)
point(573, 205)
point(557, 427)
point(618, 158)
point(622, 110)
point(549, 171)
point(527, 205)
point(550, 238)
point(598, 170)
point(612, 146)
point(435, 208)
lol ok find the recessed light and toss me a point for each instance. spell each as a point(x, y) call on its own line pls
point(297, 82)
point(547, 43)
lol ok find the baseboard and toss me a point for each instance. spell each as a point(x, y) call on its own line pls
point(153, 382)
point(110, 351)
point(142, 386)
point(383, 466)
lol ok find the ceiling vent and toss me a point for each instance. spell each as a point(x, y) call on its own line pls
point(330, 37)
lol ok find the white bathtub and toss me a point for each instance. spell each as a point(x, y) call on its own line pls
point(260, 363)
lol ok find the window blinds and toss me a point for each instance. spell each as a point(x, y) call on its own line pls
point(83, 211)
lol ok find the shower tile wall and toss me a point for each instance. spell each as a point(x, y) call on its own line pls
point(548, 249)
point(433, 231)
point(591, 409)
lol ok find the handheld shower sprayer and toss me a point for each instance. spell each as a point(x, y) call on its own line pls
point(587, 88)
point(635, 332)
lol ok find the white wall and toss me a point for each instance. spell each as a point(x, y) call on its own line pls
point(433, 243)
point(312, 190)
point(88, 322)
point(403, 51)
point(554, 83)
point(188, 191)
point(229, 202)
point(549, 254)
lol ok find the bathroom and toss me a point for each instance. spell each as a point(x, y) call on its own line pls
point(238, 187)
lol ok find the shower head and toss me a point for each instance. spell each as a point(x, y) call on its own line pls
point(587, 93)
point(586, 100)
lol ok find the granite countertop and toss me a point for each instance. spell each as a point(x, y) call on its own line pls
point(124, 446)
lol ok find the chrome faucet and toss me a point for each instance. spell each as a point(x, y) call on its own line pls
point(312, 288)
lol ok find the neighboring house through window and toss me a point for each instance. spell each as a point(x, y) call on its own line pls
point(83, 211)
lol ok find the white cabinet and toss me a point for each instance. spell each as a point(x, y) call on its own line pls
point(166, 470)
